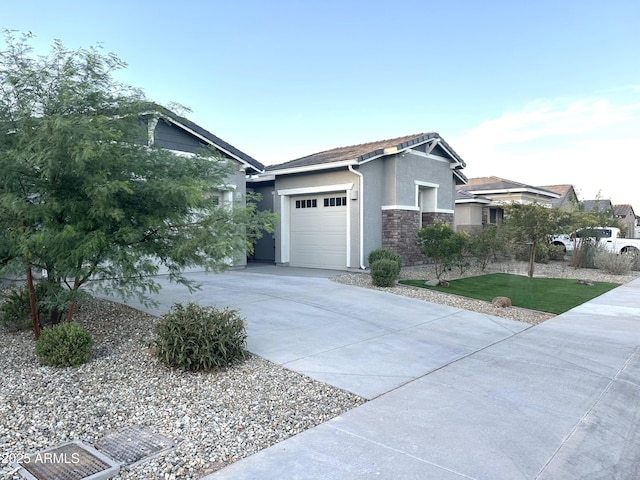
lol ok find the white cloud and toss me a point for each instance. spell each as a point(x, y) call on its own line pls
point(591, 144)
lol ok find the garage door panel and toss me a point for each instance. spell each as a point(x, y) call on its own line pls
point(318, 234)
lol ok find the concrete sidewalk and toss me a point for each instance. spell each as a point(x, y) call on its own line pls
point(454, 394)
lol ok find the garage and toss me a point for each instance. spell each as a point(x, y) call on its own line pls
point(319, 231)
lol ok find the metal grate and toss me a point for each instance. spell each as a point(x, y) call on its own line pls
point(133, 444)
point(71, 461)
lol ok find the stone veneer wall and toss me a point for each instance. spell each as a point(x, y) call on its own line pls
point(400, 232)
point(429, 218)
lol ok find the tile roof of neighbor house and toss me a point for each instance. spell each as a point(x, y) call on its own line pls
point(466, 197)
point(210, 137)
point(496, 183)
point(599, 205)
point(623, 210)
point(562, 190)
point(365, 151)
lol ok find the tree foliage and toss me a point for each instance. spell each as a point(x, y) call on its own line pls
point(533, 224)
point(442, 245)
point(84, 198)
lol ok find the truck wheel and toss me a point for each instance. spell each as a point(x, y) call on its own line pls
point(630, 251)
point(560, 244)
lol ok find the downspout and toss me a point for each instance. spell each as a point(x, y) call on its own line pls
point(361, 215)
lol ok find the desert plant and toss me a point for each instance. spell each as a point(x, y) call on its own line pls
point(556, 252)
point(486, 245)
point(384, 272)
point(385, 254)
point(442, 245)
point(198, 337)
point(15, 309)
point(64, 345)
point(613, 263)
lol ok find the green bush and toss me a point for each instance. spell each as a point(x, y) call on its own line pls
point(384, 272)
point(522, 252)
point(197, 338)
point(486, 245)
point(556, 252)
point(14, 309)
point(385, 254)
point(613, 263)
point(51, 299)
point(64, 345)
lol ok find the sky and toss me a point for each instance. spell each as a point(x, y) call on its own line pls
point(542, 93)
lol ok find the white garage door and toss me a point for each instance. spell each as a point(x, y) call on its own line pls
point(319, 231)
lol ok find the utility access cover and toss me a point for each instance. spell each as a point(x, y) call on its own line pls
point(133, 444)
point(70, 461)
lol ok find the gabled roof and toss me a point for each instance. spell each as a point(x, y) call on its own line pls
point(206, 137)
point(563, 190)
point(491, 185)
point(623, 210)
point(599, 205)
point(357, 154)
point(466, 197)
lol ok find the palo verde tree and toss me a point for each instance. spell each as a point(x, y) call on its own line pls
point(85, 199)
point(533, 224)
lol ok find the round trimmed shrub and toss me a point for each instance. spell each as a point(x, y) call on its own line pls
point(197, 338)
point(385, 254)
point(64, 345)
point(384, 272)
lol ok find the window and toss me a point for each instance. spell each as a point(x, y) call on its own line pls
point(308, 203)
point(335, 201)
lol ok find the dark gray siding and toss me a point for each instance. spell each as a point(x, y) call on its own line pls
point(265, 247)
point(174, 138)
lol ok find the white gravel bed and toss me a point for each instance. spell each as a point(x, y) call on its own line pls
point(556, 269)
point(215, 418)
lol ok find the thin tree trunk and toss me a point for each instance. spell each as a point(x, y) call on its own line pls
point(32, 303)
point(532, 259)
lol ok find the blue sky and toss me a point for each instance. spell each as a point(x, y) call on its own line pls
point(542, 92)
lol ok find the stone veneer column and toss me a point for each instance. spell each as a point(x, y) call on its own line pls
point(399, 234)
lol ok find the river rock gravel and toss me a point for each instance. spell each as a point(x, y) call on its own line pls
point(214, 418)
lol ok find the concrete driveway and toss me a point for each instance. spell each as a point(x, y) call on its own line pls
point(364, 341)
point(455, 394)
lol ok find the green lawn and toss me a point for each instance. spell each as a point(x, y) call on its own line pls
point(553, 295)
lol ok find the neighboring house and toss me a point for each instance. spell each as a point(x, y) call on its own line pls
point(568, 199)
point(480, 201)
point(183, 137)
point(628, 219)
point(599, 205)
point(337, 206)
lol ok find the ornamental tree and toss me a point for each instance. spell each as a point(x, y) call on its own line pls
point(86, 200)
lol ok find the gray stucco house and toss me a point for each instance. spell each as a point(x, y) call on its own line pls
point(338, 205)
point(183, 137)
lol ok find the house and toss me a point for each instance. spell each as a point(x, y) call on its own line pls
point(338, 205)
point(628, 219)
point(568, 198)
point(480, 201)
point(167, 130)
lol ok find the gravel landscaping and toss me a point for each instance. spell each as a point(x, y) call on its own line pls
point(215, 418)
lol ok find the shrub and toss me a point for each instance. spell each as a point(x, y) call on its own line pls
point(14, 309)
point(614, 263)
point(384, 272)
point(197, 338)
point(385, 254)
point(64, 345)
point(521, 252)
point(486, 245)
point(556, 252)
point(51, 298)
point(442, 245)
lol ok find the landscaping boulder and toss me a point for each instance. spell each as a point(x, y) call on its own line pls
point(589, 283)
point(502, 302)
point(436, 283)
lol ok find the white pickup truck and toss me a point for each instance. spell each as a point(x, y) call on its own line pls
point(608, 237)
